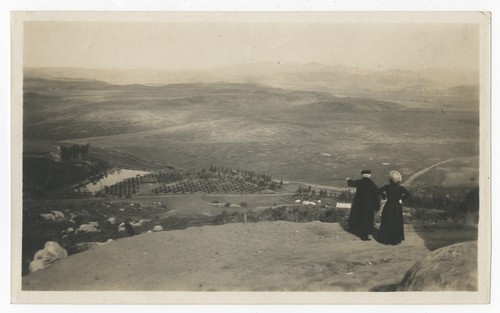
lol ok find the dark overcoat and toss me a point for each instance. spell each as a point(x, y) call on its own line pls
point(391, 225)
point(364, 204)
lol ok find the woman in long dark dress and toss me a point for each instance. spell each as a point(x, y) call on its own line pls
point(391, 226)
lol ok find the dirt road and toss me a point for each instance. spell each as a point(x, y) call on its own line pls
point(428, 168)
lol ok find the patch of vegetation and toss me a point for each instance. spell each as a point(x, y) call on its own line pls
point(446, 203)
point(284, 213)
point(41, 176)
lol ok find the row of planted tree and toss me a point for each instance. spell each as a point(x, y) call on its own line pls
point(227, 180)
point(126, 187)
point(308, 193)
point(214, 180)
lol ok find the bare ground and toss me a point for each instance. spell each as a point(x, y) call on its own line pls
point(266, 256)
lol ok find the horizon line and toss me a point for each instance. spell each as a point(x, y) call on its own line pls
point(374, 68)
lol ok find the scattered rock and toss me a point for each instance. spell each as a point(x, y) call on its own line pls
point(91, 227)
point(70, 230)
point(137, 224)
point(112, 220)
point(48, 216)
point(451, 268)
point(121, 227)
point(58, 215)
point(126, 226)
point(157, 228)
point(51, 253)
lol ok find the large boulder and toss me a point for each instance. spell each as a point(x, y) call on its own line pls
point(51, 253)
point(451, 268)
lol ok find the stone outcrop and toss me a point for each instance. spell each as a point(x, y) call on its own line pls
point(51, 253)
point(451, 268)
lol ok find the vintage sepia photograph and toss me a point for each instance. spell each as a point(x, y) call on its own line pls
point(319, 154)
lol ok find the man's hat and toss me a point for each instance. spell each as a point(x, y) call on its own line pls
point(366, 172)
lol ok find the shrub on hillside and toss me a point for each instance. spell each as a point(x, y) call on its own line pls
point(226, 218)
point(429, 216)
point(334, 215)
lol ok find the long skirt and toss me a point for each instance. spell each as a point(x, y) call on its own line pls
point(391, 226)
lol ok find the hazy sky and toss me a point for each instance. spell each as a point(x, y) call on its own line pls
point(204, 45)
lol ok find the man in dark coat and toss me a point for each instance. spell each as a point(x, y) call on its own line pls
point(364, 204)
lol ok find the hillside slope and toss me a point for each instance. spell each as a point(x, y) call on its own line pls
point(304, 136)
point(266, 256)
point(80, 108)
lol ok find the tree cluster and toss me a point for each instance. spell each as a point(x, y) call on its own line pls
point(74, 152)
point(41, 175)
point(449, 199)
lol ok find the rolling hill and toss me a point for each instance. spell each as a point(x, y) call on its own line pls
point(456, 89)
point(70, 108)
point(297, 135)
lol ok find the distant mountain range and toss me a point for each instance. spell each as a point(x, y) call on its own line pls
point(448, 89)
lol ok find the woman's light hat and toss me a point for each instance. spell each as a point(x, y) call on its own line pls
point(395, 176)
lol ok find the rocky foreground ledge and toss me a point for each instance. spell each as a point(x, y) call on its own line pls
point(266, 256)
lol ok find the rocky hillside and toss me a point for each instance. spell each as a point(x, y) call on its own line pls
point(266, 256)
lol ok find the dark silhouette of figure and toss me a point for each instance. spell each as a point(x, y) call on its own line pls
point(391, 230)
point(364, 204)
